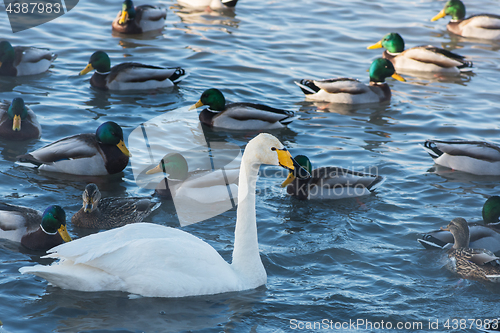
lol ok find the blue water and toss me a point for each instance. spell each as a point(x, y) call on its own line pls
point(335, 260)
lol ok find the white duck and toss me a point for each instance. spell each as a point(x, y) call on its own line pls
point(476, 157)
point(158, 261)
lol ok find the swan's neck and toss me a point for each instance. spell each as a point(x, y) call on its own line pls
point(246, 258)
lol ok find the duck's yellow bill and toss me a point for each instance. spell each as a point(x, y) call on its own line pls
point(154, 170)
point(124, 17)
point(64, 234)
point(438, 16)
point(123, 148)
point(87, 205)
point(445, 229)
point(398, 77)
point(378, 45)
point(16, 123)
point(87, 69)
point(197, 105)
point(288, 180)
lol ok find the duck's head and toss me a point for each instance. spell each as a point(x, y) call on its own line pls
point(54, 221)
point(460, 231)
point(173, 164)
point(213, 98)
point(91, 197)
point(382, 68)
point(128, 12)
point(17, 111)
point(303, 172)
point(392, 42)
point(454, 8)
point(491, 210)
point(6, 52)
point(110, 133)
point(99, 61)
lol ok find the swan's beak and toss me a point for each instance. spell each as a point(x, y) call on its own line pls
point(64, 234)
point(375, 46)
point(156, 169)
point(285, 159)
point(87, 69)
point(16, 123)
point(438, 16)
point(288, 179)
point(398, 77)
point(124, 17)
point(123, 148)
point(197, 105)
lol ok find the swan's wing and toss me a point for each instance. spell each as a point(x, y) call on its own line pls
point(73, 147)
point(475, 149)
point(251, 111)
point(434, 55)
point(134, 73)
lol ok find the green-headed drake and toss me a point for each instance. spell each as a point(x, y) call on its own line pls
point(107, 213)
point(481, 236)
point(136, 20)
point(352, 91)
point(209, 4)
point(18, 122)
point(33, 229)
point(426, 58)
point(24, 60)
point(129, 75)
point(328, 182)
point(476, 157)
point(484, 26)
point(239, 116)
point(200, 185)
point(98, 154)
point(474, 264)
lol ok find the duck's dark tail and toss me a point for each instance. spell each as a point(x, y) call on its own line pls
point(307, 86)
point(230, 3)
point(179, 75)
point(431, 148)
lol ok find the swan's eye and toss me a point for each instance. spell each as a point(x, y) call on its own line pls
point(273, 148)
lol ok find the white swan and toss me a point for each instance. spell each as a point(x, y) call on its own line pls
point(157, 261)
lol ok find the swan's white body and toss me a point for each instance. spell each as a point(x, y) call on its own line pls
point(157, 261)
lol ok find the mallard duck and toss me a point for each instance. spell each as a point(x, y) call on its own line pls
point(111, 212)
point(18, 122)
point(239, 116)
point(482, 236)
point(477, 157)
point(474, 264)
point(352, 91)
point(211, 4)
point(202, 186)
point(153, 260)
point(426, 58)
point(98, 154)
point(136, 20)
point(34, 230)
point(484, 26)
point(129, 75)
point(329, 182)
point(23, 60)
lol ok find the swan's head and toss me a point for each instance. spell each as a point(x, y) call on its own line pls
point(267, 149)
